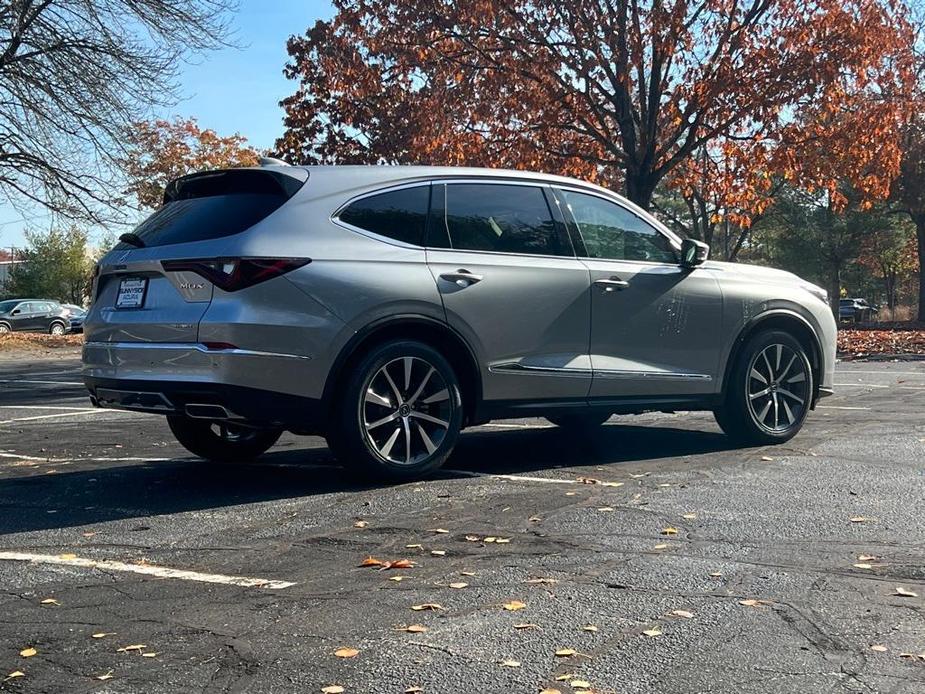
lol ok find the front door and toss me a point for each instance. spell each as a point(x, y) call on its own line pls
point(23, 317)
point(656, 327)
point(511, 285)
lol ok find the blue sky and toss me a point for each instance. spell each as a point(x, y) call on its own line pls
point(231, 90)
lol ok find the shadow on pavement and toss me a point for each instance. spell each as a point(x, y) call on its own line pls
point(37, 500)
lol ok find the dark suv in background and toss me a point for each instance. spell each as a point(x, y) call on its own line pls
point(34, 315)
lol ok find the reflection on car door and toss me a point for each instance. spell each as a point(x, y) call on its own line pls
point(25, 318)
point(655, 326)
point(511, 285)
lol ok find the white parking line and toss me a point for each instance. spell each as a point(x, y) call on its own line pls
point(53, 383)
point(45, 407)
point(62, 414)
point(512, 478)
point(836, 407)
point(146, 569)
point(885, 372)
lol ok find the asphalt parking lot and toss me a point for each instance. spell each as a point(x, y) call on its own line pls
point(650, 557)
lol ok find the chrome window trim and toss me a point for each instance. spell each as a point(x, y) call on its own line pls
point(515, 367)
point(195, 346)
point(668, 375)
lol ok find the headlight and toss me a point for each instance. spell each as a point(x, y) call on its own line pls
point(818, 292)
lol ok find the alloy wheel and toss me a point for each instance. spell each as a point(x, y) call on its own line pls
point(406, 410)
point(777, 388)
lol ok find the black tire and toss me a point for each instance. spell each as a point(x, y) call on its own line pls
point(769, 391)
point(586, 422)
point(378, 392)
point(5, 329)
point(221, 442)
point(57, 328)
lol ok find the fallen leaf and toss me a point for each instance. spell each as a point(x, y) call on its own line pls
point(683, 614)
point(767, 458)
point(579, 684)
point(858, 519)
point(442, 531)
point(88, 534)
point(398, 564)
point(716, 574)
point(562, 678)
point(689, 516)
point(50, 601)
point(877, 647)
point(589, 627)
point(149, 655)
point(905, 593)
point(414, 690)
point(526, 626)
point(472, 538)
point(414, 546)
point(396, 578)
point(550, 690)
point(371, 561)
point(537, 581)
point(862, 566)
point(503, 540)
point(534, 519)
point(669, 531)
point(661, 546)
point(510, 663)
point(565, 652)
point(102, 634)
point(67, 557)
point(752, 602)
point(413, 628)
point(867, 557)
point(13, 675)
point(652, 633)
point(28, 652)
point(346, 652)
point(459, 585)
point(605, 509)
point(427, 606)
point(467, 573)
point(438, 552)
point(333, 689)
point(360, 524)
point(514, 605)
point(133, 647)
point(489, 540)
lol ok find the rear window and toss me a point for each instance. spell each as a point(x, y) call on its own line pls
point(397, 214)
point(215, 204)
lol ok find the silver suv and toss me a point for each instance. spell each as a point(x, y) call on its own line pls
point(386, 308)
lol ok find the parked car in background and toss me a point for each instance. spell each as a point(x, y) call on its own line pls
point(34, 315)
point(388, 307)
point(856, 310)
point(77, 314)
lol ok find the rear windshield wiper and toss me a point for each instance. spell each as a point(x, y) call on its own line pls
point(132, 240)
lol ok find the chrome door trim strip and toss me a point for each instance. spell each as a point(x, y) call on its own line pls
point(668, 375)
point(530, 370)
point(187, 346)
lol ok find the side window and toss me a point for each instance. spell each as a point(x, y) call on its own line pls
point(397, 214)
point(501, 218)
point(26, 309)
point(45, 307)
point(612, 232)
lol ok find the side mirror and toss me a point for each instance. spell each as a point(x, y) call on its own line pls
point(15, 312)
point(693, 253)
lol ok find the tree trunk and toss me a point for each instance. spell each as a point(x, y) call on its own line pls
point(640, 188)
point(835, 288)
point(919, 220)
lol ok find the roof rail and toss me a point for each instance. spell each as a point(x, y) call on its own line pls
point(272, 161)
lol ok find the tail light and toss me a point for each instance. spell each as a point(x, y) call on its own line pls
point(232, 274)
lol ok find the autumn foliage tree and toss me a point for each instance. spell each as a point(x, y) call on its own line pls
point(622, 92)
point(160, 151)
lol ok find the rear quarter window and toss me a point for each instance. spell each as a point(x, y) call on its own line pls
point(396, 214)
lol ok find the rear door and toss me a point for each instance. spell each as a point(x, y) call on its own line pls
point(510, 283)
point(23, 316)
point(143, 293)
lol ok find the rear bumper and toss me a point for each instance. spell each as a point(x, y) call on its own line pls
point(207, 401)
point(164, 378)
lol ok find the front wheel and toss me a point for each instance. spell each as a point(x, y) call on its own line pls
point(400, 413)
point(57, 329)
point(769, 392)
point(221, 441)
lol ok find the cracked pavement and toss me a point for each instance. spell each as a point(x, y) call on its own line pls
point(769, 527)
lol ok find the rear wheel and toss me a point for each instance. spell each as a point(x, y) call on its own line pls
point(221, 441)
point(4, 328)
point(579, 422)
point(769, 390)
point(57, 329)
point(400, 413)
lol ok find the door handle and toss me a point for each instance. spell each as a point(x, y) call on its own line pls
point(461, 277)
point(612, 284)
